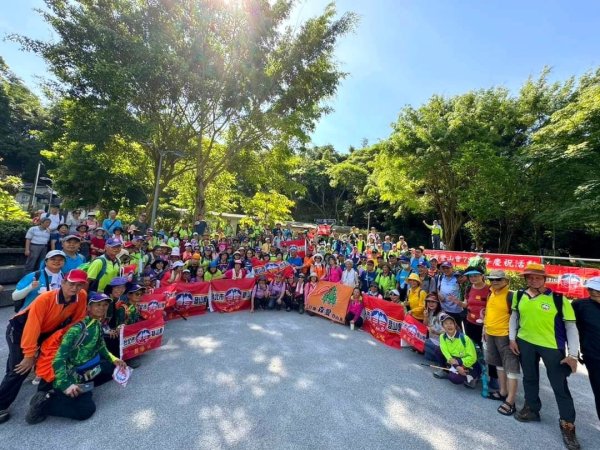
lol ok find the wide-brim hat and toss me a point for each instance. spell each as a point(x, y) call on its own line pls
point(534, 269)
point(414, 277)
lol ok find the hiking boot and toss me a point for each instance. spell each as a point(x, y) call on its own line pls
point(36, 408)
point(288, 309)
point(568, 434)
point(527, 415)
point(441, 374)
point(301, 309)
point(471, 384)
point(4, 415)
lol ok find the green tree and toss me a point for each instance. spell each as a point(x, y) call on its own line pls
point(9, 186)
point(193, 74)
point(21, 118)
point(267, 208)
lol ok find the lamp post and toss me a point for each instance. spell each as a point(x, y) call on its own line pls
point(37, 177)
point(369, 220)
point(161, 155)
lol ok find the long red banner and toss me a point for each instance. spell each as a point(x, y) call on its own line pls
point(187, 299)
point(231, 295)
point(515, 263)
point(141, 337)
point(384, 320)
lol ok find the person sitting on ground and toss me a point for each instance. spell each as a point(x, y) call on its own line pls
point(199, 275)
point(432, 313)
point(276, 291)
point(459, 353)
point(373, 291)
point(186, 276)
point(386, 280)
point(49, 277)
point(415, 301)
point(82, 360)
point(260, 294)
point(395, 296)
point(355, 309)
point(50, 312)
point(299, 293)
point(310, 286)
point(495, 328)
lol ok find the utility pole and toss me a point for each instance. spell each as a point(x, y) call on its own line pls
point(37, 177)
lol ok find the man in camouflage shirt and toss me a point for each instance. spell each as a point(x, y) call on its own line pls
point(82, 361)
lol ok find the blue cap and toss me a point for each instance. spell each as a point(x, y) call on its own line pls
point(404, 259)
point(212, 264)
point(96, 297)
point(114, 243)
point(118, 281)
point(134, 288)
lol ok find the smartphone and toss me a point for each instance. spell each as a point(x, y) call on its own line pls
point(86, 387)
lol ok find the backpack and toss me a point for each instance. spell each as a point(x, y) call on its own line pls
point(94, 283)
point(19, 303)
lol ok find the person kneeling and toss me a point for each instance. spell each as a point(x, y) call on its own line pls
point(460, 354)
point(78, 366)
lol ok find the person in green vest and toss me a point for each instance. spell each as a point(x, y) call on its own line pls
point(437, 234)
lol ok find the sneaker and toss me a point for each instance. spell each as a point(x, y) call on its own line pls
point(134, 363)
point(36, 408)
point(527, 415)
point(441, 374)
point(301, 309)
point(288, 309)
point(471, 384)
point(568, 434)
point(4, 415)
point(36, 381)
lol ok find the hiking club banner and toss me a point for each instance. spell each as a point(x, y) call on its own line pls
point(187, 299)
point(271, 268)
point(414, 333)
point(299, 244)
point(499, 261)
point(569, 281)
point(141, 337)
point(330, 300)
point(384, 320)
point(231, 295)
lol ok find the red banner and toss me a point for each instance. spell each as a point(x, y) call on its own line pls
point(570, 280)
point(271, 268)
point(414, 333)
point(515, 263)
point(300, 245)
point(141, 337)
point(151, 304)
point(187, 299)
point(231, 295)
point(384, 320)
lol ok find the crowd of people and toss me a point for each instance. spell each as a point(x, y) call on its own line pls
point(476, 324)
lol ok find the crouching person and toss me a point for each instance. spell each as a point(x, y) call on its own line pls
point(82, 362)
point(460, 354)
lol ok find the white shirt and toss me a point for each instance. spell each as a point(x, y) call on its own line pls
point(55, 220)
point(38, 236)
point(350, 277)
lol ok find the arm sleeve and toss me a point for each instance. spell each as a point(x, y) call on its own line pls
point(23, 287)
point(33, 327)
point(420, 309)
point(29, 234)
point(444, 348)
point(62, 378)
point(572, 338)
point(513, 325)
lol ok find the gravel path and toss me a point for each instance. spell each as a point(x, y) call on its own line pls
point(278, 380)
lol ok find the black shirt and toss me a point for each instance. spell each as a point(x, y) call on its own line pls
point(587, 313)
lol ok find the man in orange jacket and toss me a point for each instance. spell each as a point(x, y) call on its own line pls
point(26, 331)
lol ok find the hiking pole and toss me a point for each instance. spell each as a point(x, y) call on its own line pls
point(437, 367)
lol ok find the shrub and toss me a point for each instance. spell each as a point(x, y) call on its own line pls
point(12, 233)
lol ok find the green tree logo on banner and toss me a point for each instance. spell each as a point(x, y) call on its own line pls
point(330, 296)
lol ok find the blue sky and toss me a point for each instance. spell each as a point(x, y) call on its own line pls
point(404, 51)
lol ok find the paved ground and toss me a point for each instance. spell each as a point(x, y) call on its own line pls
point(277, 380)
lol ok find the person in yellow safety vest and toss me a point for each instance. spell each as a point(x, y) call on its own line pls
point(437, 234)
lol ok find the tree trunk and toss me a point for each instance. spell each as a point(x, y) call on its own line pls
point(200, 207)
point(452, 221)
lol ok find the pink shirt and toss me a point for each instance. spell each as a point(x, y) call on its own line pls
point(355, 308)
point(334, 274)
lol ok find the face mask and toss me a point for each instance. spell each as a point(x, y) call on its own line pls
point(405, 266)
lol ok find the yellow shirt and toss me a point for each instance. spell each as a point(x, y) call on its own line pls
point(416, 302)
point(497, 313)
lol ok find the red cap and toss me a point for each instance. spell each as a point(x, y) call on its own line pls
point(76, 276)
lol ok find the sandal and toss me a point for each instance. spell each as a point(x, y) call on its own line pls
point(506, 409)
point(496, 396)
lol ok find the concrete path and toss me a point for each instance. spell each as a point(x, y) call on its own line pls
point(278, 380)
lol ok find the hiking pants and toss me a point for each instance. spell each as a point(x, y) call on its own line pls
point(11, 384)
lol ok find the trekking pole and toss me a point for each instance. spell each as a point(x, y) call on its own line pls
point(448, 369)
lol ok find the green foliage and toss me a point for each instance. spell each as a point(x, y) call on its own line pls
point(21, 117)
point(12, 232)
point(192, 75)
point(266, 209)
point(9, 186)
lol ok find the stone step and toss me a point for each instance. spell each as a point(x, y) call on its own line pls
point(11, 274)
point(12, 256)
point(6, 295)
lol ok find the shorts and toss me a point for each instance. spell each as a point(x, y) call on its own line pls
point(499, 354)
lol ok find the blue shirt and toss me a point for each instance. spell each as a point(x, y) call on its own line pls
point(449, 286)
point(109, 225)
point(297, 261)
point(414, 263)
point(73, 263)
point(43, 278)
point(401, 277)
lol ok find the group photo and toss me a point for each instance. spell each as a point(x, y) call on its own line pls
point(298, 224)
